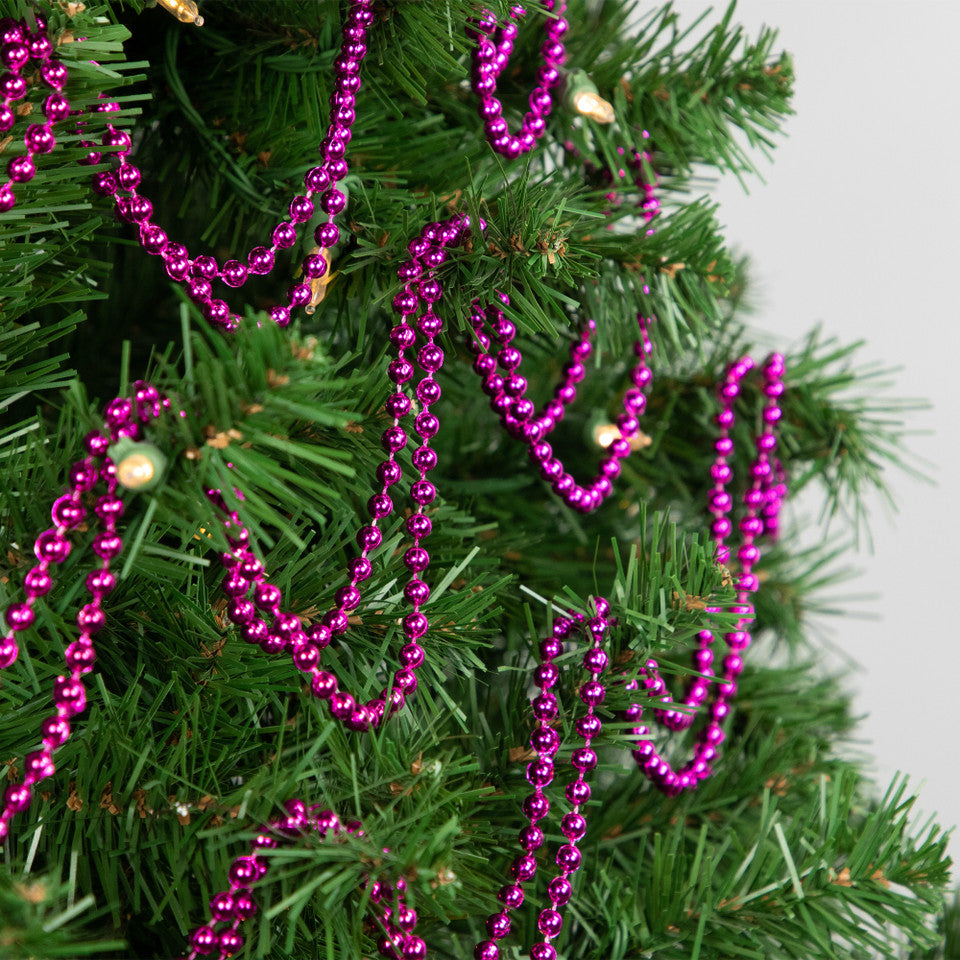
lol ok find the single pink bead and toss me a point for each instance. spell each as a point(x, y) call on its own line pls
point(203, 940)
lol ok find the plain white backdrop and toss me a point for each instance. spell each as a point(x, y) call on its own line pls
point(856, 228)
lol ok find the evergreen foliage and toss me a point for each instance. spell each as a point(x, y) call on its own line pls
point(192, 739)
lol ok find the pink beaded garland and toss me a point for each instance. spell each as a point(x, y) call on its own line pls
point(490, 58)
point(522, 421)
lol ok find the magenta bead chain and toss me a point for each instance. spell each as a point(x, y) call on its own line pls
point(521, 420)
point(244, 572)
point(494, 46)
point(649, 202)
point(18, 46)
point(762, 501)
point(231, 907)
point(196, 274)
point(53, 547)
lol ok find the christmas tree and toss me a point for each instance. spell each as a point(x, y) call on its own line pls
point(336, 641)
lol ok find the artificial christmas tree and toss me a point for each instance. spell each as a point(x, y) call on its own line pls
point(332, 637)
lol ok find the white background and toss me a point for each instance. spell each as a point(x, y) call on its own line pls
point(856, 228)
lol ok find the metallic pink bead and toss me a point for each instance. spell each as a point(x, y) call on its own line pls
point(545, 707)
point(423, 492)
point(243, 871)
point(486, 950)
point(416, 559)
point(203, 940)
point(205, 267)
point(348, 597)
point(405, 917)
point(411, 655)
point(38, 765)
point(549, 923)
point(268, 597)
point(319, 635)
point(306, 657)
point(80, 656)
point(592, 693)
point(545, 740)
point(578, 791)
point(546, 675)
point(498, 925)
point(327, 235)
point(55, 731)
point(17, 798)
point(217, 312)
point(221, 906)
point(369, 537)
point(14, 55)
point(589, 726)
point(234, 273)
point(414, 949)
point(280, 315)
point(415, 625)
point(301, 209)
point(12, 86)
point(523, 867)
point(90, 618)
point(314, 266)
point(8, 652)
point(37, 582)
point(550, 648)
point(119, 139)
point(511, 896)
point(255, 631)
point(324, 685)
point(359, 569)
point(298, 295)
point(336, 620)
point(342, 705)
point(573, 826)
point(535, 806)
point(21, 169)
point(52, 547)
point(54, 73)
point(540, 773)
point(543, 951)
point(317, 180)
point(559, 890)
point(244, 906)
point(284, 235)
point(260, 260)
point(405, 681)
point(332, 201)
point(584, 758)
point(568, 857)
point(19, 616)
point(531, 838)
point(428, 391)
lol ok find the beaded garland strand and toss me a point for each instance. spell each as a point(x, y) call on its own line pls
point(521, 420)
point(494, 46)
point(244, 573)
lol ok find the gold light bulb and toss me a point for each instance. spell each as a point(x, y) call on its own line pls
point(184, 10)
point(318, 285)
point(136, 471)
point(605, 433)
point(592, 105)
